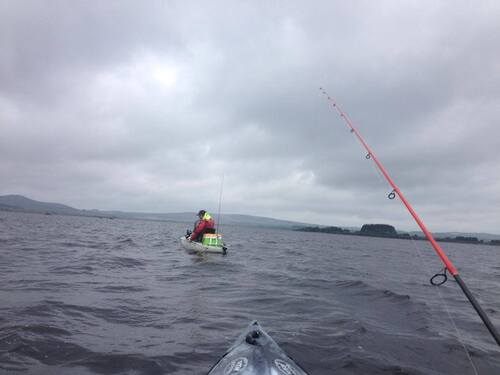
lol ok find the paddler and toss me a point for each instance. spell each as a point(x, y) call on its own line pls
point(205, 225)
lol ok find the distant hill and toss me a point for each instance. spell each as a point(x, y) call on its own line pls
point(19, 203)
point(226, 219)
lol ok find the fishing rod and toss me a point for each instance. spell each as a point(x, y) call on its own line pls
point(220, 202)
point(396, 191)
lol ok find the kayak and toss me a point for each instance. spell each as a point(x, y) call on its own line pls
point(199, 248)
point(256, 353)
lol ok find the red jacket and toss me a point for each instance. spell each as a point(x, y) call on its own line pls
point(200, 228)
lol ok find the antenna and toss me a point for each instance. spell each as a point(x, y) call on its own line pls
point(220, 203)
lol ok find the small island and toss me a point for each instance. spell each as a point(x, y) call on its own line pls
point(388, 231)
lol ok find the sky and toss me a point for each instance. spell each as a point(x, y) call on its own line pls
point(165, 106)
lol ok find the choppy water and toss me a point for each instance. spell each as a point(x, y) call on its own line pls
point(97, 296)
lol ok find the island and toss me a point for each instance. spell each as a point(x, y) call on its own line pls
point(389, 231)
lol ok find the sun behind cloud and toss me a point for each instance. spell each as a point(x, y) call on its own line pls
point(164, 74)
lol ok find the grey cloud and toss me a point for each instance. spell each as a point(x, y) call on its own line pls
point(143, 106)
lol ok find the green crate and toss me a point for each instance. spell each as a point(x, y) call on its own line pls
point(210, 239)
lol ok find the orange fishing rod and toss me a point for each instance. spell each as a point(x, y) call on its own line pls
point(396, 191)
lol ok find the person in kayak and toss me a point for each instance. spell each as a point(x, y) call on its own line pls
point(205, 225)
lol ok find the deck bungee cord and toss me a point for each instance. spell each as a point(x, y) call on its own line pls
point(449, 267)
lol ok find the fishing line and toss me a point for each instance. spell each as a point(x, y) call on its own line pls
point(438, 279)
point(397, 192)
point(425, 266)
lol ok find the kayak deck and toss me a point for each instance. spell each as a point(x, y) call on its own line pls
point(197, 247)
point(256, 353)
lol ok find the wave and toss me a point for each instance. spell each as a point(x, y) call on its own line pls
point(63, 354)
point(123, 262)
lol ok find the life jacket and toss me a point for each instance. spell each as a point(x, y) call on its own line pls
point(204, 225)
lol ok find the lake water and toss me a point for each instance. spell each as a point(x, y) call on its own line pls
point(97, 296)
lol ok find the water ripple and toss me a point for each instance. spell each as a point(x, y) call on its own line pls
point(91, 296)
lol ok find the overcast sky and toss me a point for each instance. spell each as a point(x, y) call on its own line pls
point(145, 105)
